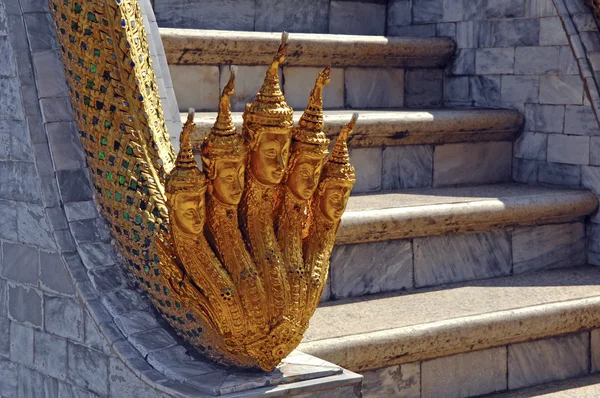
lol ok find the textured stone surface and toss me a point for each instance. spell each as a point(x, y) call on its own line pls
point(472, 163)
point(563, 358)
point(20, 263)
point(88, 368)
point(423, 88)
point(202, 14)
point(580, 120)
point(357, 18)
point(520, 89)
point(357, 270)
point(454, 376)
point(21, 344)
point(407, 167)
point(394, 381)
point(280, 15)
point(369, 334)
point(221, 48)
point(403, 127)
point(485, 89)
point(374, 88)
point(439, 211)
point(531, 146)
point(427, 11)
point(489, 61)
point(544, 118)
point(9, 376)
point(368, 163)
point(568, 149)
point(196, 86)
point(50, 355)
point(53, 275)
point(25, 305)
point(560, 174)
point(548, 246)
point(63, 317)
point(135, 322)
point(561, 90)
point(537, 60)
point(448, 259)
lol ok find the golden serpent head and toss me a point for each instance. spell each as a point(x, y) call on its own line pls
point(309, 144)
point(338, 177)
point(224, 152)
point(268, 123)
point(186, 186)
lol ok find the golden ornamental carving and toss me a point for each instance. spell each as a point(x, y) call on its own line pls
point(235, 256)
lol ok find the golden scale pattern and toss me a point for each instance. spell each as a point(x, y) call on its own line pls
point(234, 257)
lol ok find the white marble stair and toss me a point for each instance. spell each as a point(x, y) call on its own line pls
point(410, 239)
point(368, 71)
point(400, 148)
point(468, 339)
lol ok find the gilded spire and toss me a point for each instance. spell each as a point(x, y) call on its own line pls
point(224, 124)
point(186, 176)
point(269, 107)
point(311, 125)
point(338, 166)
point(224, 141)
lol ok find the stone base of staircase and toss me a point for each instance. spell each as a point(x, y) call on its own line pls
point(469, 339)
point(581, 387)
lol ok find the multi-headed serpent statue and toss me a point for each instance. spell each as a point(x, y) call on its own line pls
point(235, 256)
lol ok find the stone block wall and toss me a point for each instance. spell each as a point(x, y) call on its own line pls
point(350, 87)
point(498, 369)
point(537, 56)
point(56, 337)
point(354, 17)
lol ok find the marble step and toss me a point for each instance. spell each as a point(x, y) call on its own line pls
point(415, 213)
point(368, 71)
point(396, 127)
point(216, 47)
point(580, 387)
point(468, 339)
point(400, 149)
point(411, 239)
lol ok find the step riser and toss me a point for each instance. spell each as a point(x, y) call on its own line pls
point(401, 127)
point(199, 86)
point(369, 268)
point(318, 16)
point(424, 166)
point(492, 370)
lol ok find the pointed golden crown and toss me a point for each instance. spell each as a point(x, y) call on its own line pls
point(224, 141)
point(338, 166)
point(309, 133)
point(186, 176)
point(269, 107)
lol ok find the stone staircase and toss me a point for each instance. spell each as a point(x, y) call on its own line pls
point(448, 279)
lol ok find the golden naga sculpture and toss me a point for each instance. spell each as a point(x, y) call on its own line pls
point(234, 256)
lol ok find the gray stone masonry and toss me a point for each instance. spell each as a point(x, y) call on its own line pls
point(437, 260)
point(498, 369)
point(538, 56)
point(354, 17)
point(61, 284)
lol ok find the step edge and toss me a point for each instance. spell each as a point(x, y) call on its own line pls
point(207, 47)
point(475, 126)
point(370, 226)
point(414, 343)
